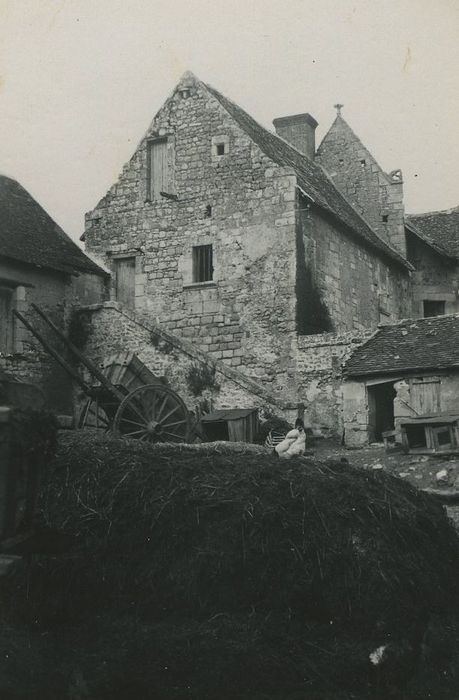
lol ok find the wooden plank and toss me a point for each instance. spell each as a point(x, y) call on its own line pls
point(425, 396)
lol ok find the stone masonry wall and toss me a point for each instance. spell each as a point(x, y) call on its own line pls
point(354, 171)
point(57, 294)
point(434, 278)
point(359, 289)
point(319, 361)
point(114, 329)
point(240, 202)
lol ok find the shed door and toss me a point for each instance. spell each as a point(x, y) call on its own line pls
point(425, 395)
point(125, 281)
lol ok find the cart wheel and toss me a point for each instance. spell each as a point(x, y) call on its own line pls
point(152, 413)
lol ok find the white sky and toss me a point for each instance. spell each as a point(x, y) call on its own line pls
point(80, 81)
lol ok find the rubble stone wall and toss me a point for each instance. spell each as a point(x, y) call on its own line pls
point(113, 329)
point(359, 289)
point(242, 204)
point(319, 372)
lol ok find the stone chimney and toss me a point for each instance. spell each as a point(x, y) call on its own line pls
point(299, 131)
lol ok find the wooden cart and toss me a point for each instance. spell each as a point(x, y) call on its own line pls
point(123, 396)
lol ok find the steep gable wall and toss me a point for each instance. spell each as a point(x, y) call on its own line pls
point(378, 197)
point(246, 315)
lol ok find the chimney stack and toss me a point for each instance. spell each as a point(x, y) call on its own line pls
point(299, 131)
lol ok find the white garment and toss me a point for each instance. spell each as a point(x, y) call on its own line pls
point(294, 444)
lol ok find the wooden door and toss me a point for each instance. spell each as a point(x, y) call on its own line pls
point(125, 281)
point(425, 395)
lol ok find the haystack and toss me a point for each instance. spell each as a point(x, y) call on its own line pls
point(293, 558)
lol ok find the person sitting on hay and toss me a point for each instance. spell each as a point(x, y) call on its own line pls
point(294, 443)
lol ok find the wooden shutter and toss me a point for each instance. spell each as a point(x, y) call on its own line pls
point(6, 320)
point(125, 281)
point(159, 171)
point(425, 395)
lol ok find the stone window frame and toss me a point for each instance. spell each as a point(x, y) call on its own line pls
point(122, 255)
point(220, 140)
point(202, 263)
point(187, 263)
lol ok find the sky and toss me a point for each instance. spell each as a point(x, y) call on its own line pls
point(80, 81)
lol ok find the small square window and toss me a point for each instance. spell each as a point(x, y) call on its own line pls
point(433, 308)
point(385, 218)
point(363, 163)
point(220, 149)
point(203, 270)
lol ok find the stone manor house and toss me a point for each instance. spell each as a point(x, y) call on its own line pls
point(260, 257)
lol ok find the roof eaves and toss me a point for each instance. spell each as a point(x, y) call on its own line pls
point(398, 370)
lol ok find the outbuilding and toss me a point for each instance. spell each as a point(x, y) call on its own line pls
point(403, 371)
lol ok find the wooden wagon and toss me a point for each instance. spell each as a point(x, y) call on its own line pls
point(123, 395)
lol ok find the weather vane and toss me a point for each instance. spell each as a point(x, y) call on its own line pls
point(338, 108)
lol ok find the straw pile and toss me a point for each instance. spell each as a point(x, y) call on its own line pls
point(285, 565)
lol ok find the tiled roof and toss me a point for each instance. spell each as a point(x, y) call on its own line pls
point(312, 179)
point(422, 344)
point(29, 235)
point(439, 228)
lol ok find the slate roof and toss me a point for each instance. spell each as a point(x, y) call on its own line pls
point(439, 228)
point(29, 235)
point(421, 344)
point(312, 179)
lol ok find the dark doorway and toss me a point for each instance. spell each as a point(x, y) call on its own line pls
point(380, 409)
point(216, 430)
